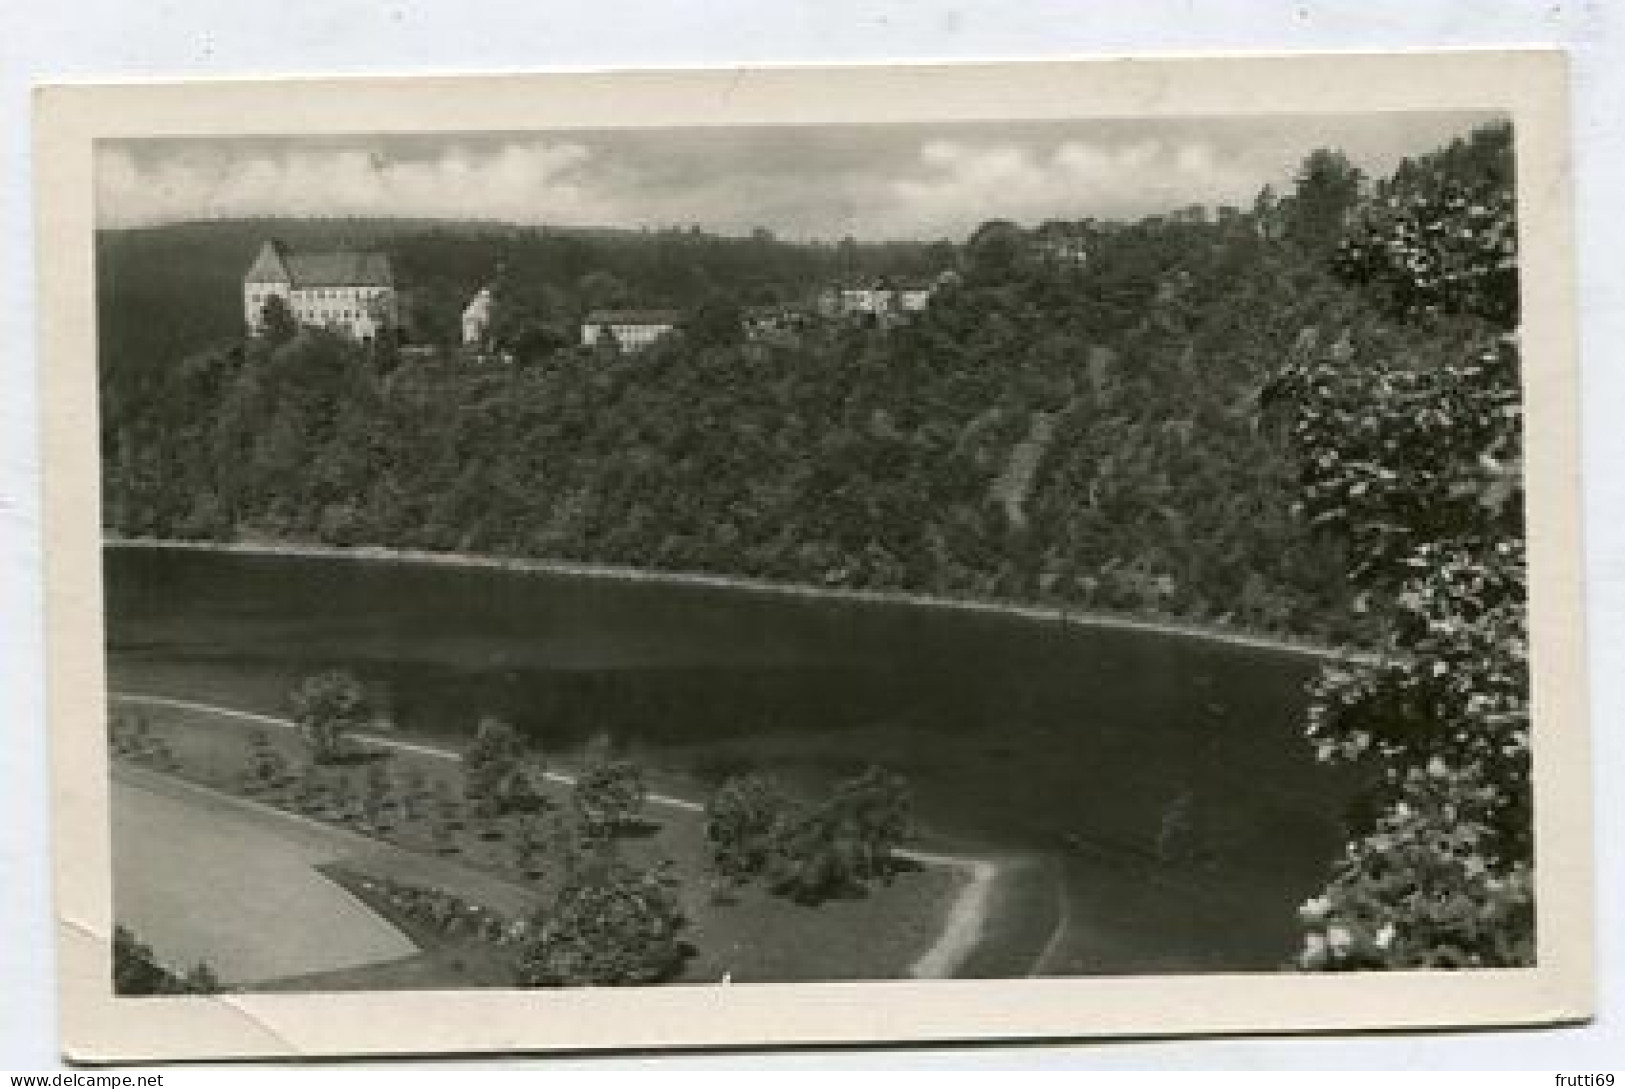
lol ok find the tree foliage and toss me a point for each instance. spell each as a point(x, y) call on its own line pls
point(741, 820)
point(1301, 417)
point(1325, 191)
point(838, 845)
point(842, 454)
point(609, 925)
point(1411, 452)
point(1426, 886)
point(608, 796)
point(1441, 235)
point(500, 774)
point(327, 706)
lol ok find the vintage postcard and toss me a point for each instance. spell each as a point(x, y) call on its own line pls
point(803, 556)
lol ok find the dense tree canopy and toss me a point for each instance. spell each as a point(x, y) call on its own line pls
point(844, 454)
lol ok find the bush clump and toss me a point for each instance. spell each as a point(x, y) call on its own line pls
point(327, 706)
point(809, 852)
point(610, 925)
point(742, 820)
point(609, 796)
point(500, 773)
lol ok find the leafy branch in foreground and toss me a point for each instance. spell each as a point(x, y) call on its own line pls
point(1415, 459)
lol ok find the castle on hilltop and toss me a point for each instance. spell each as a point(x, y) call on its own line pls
point(351, 292)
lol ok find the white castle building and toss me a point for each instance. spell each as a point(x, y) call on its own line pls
point(633, 330)
point(351, 292)
point(477, 318)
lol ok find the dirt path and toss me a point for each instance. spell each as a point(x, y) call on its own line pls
point(1015, 484)
point(966, 919)
point(961, 930)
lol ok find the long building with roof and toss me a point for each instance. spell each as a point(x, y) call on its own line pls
point(349, 291)
point(633, 330)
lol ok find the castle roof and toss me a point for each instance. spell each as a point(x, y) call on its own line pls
point(277, 264)
point(633, 317)
point(480, 305)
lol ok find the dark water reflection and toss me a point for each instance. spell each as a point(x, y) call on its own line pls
point(1017, 733)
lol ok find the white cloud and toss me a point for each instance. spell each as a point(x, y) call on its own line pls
point(824, 182)
point(959, 184)
point(526, 182)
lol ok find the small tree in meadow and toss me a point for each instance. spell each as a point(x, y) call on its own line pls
point(267, 766)
point(529, 845)
point(499, 774)
point(877, 808)
point(608, 796)
point(740, 820)
point(327, 706)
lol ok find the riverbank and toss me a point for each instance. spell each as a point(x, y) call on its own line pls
point(744, 584)
point(951, 944)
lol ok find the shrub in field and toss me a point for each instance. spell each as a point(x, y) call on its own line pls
point(740, 820)
point(311, 788)
point(417, 783)
point(380, 784)
point(496, 751)
point(267, 767)
point(500, 775)
point(446, 913)
point(523, 790)
point(327, 706)
point(876, 807)
point(529, 845)
point(813, 857)
point(608, 796)
point(609, 925)
point(836, 846)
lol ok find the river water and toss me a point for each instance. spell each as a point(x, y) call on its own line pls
point(1067, 741)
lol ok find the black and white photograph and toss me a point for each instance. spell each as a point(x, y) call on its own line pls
point(693, 556)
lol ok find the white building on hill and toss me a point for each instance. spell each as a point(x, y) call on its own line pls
point(633, 330)
point(477, 318)
point(351, 292)
point(884, 301)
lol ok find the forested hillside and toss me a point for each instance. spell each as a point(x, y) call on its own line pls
point(844, 455)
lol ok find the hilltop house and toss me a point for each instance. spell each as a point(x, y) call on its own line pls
point(477, 319)
point(351, 292)
point(884, 301)
point(633, 330)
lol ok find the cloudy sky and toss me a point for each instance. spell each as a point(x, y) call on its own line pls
point(871, 181)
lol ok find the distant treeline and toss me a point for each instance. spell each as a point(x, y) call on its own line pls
point(844, 454)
